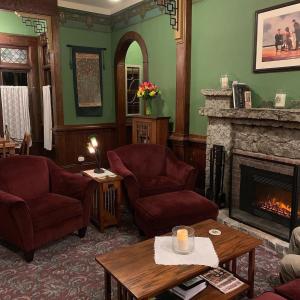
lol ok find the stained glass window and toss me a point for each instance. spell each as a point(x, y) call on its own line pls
point(13, 56)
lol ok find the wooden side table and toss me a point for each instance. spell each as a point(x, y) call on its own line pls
point(106, 200)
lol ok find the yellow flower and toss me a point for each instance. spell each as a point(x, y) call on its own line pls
point(152, 94)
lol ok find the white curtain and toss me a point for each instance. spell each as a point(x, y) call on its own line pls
point(15, 110)
point(47, 117)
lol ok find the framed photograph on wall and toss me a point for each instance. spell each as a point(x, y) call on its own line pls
point(87, 79)
point(277, 38)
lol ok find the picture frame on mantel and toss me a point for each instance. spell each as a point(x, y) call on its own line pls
point(277, 38)
point(87, 65)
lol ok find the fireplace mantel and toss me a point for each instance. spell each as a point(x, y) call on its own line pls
point(281, 115)
point(273, 133)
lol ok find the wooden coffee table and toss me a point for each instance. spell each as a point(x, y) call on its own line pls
point(138, 276)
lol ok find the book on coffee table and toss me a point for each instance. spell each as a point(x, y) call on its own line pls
point(222, 280)
point(187, 290)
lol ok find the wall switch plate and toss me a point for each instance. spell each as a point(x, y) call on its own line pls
point(81, 158)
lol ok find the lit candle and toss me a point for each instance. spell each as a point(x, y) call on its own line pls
point(183, 240)
point(224, 82)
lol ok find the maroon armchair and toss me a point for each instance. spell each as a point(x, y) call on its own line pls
point(159, 188)
point(287, 291)
point(40, 202)
point(149, 169)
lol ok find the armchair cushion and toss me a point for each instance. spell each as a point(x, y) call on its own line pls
point(143, 159)
point(27, 178)
point(290, 290)
point(53, 209)
point(150, 169)
point(158, 185)
point(157, 214)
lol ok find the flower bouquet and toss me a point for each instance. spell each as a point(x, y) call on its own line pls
point(148, 91)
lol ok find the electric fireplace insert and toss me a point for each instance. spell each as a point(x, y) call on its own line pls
point(268, 200)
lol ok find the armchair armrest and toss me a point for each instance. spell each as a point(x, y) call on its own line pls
point(180, 171)
point(129, 179)
point(289, 290)
point(72, 185)
point(15, 221)
point(68, 184)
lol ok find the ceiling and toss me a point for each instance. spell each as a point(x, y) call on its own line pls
point(105, 7)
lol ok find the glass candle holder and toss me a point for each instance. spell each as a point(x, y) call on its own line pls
point(183, 239)
point(224, 81)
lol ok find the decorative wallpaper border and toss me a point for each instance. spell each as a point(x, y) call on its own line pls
point(97, 22)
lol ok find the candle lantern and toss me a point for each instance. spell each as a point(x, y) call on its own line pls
point(183, 239)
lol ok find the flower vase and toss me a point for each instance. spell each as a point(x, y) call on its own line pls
point(148, 107)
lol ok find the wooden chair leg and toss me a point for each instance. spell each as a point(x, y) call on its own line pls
point(81, 232)
point(28, 256)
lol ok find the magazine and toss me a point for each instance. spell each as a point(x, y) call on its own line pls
point(222, 280)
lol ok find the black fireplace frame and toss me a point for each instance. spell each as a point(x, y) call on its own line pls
point(295, 192)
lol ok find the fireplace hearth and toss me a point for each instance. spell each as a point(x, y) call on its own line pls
point(266, 199)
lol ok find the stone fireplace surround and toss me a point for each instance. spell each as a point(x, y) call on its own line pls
point(272, 135)
point(262, 132)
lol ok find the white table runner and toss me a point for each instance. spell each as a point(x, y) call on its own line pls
point(203, 254)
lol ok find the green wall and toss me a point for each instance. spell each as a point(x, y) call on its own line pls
point(134, 55)
point(161, 56)
point(223, 42)
point(81, 37)
point(11, 23)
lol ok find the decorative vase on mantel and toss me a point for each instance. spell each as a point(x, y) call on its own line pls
point(148, 92)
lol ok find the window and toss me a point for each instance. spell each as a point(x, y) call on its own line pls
point(13, 56)
point(133, 80)
point(13, 78)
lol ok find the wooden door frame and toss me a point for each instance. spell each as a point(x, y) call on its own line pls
point(30, 43)
point(119, 69)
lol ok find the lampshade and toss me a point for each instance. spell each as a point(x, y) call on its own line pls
point(91, 148)
point(94, 142)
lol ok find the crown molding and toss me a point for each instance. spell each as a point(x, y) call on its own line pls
point(97, 9)
point(100, 22)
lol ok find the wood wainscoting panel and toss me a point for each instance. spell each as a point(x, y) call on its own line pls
point(193, 153)
point(71, 142)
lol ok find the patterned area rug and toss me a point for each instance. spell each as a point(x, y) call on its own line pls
point(67, 269)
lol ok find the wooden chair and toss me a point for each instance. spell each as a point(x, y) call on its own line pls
point(24, 150)
point(2, 148)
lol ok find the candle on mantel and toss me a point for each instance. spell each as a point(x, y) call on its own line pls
point(183, 240)
point(224, 82)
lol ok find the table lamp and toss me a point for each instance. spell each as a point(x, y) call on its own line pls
point(93, 148)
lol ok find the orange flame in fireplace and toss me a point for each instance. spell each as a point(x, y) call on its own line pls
point(277, 206)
